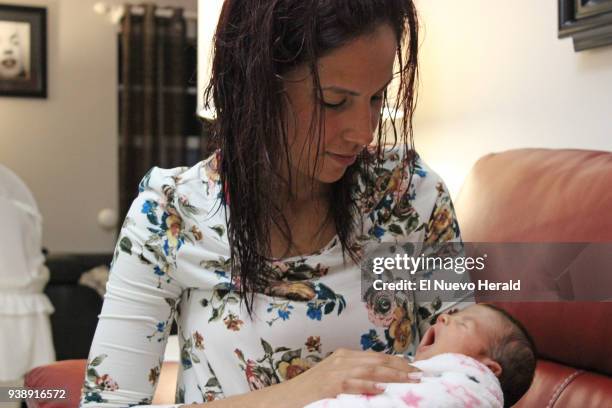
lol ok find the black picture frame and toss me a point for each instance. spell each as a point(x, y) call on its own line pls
point(587, 22)
point(23, 51)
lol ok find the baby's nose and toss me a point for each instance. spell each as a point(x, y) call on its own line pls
point(443, 318)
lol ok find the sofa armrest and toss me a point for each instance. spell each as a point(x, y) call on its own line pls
point(69, 375)
point(560, 386)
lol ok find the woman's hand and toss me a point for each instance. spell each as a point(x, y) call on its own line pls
point(349, 372)
point(343, 372)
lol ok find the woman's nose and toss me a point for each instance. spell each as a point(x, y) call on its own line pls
point(361, 128)
point(361, 137)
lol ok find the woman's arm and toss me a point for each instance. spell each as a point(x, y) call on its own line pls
point(274, 396)
point(139, 307)
point(343, 372)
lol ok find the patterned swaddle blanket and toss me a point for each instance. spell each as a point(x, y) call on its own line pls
point(449, 380)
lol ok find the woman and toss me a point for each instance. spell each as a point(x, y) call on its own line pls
point(255, 250)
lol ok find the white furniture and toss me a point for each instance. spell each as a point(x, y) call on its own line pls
point(25, 330)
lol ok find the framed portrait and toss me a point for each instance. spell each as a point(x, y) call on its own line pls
point(587, 22)
point(23, 51)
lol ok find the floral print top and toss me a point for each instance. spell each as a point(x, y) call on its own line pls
point(172, 262)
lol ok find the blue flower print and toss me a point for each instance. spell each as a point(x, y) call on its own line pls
point(314, 311)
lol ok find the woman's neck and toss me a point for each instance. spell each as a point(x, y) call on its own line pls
point(308, 217)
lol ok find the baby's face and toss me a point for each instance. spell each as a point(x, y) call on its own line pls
point(469, 331)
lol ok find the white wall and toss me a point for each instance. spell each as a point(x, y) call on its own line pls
point(494, 77)
point(65, 147)
point(208, 15)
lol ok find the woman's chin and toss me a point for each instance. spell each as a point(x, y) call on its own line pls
point(331, 174)
point(331, 177)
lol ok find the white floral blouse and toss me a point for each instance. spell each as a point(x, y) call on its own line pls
point(171, 262)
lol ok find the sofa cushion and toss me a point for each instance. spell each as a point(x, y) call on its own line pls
point(68, 268)
point(73, 327)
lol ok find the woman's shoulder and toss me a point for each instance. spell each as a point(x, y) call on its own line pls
point(175, 209)
point(201, 179)
point(180, 200)
point(186, 191)
point(398, 157)
point(399, 193)
point(399, 172)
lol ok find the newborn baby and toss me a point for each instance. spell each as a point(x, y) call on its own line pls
point(478, 357)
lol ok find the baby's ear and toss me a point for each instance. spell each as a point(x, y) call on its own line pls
point(493, 366)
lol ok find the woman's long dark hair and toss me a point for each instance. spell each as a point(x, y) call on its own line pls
point(255, 44)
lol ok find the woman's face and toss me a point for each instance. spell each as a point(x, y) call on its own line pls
point(353, 79)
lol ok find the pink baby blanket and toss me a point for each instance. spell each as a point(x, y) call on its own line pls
point(449, 380)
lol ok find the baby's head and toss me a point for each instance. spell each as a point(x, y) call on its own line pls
point(493, 337)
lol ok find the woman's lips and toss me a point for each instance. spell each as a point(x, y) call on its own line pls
point(342, 159)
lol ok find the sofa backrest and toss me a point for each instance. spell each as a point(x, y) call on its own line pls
point(538, 195)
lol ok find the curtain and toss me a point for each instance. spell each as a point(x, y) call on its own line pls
point(154, 76)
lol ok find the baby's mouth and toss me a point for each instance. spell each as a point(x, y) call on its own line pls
point(428, 339)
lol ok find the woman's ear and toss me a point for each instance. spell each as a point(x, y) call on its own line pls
point(492, 365)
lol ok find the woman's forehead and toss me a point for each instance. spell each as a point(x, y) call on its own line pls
point(369, 57)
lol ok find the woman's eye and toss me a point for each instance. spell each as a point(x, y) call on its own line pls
point(334, 105)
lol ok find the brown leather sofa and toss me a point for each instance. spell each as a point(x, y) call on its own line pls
point(526, 195)
point(542, 195)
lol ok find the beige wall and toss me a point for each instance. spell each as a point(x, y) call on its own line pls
point(65, 147)
point(208, 15)
point(495, 77)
